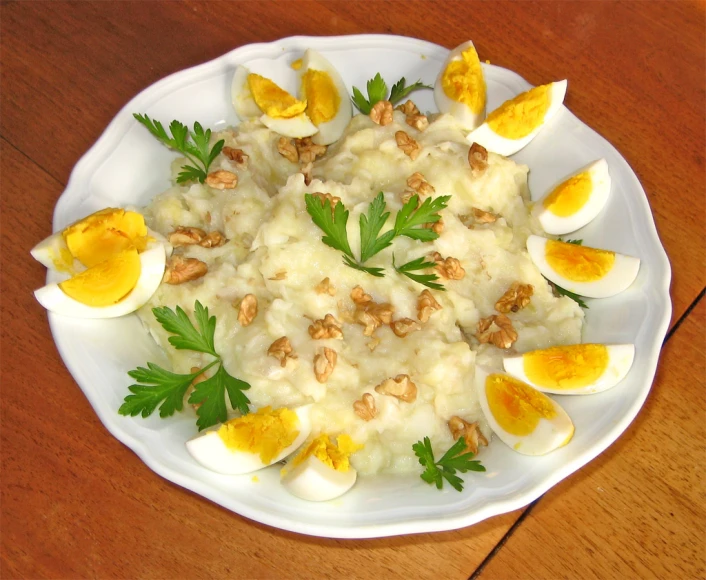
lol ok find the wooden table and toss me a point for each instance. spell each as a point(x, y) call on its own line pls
point(77, 503)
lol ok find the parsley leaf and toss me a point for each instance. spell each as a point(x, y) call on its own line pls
point(370, 227)
point(577, 242)
point(210, 394)
point(194, 146)
point(453, 460)
point(428, 280)
point(400, 91)
point(410, 217)
point(333, 224)
point(564, 292)
point(186, 336)
point(377, 91)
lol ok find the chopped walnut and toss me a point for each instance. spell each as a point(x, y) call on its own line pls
point(365, 408)
point(325, 287)
point(477, 158)
point(404, 326)
point(483, 217)
point(360, 296)
point(186, 236)
point(180, 270)
point(368, 313)
point(200, 379)
point(515, 298)
point(426, 305)
point(287, 149)
point(408, 145)
point(327, 327)
point(222, 179)
point(281, 275)
point(408, 108)
point(419, 122)
point(308, 150)
point(373, 343)
point(496, 329)
point(324, 363)
point(306, 172)
point(327, 196)
point(213, 239)
point(381, 113)
point(400, 387)
point(238, 156)
point(247, 310)
point(282, 350)
point(418, 183)
point(469, 431)
point(437, 227)
point(448, 268)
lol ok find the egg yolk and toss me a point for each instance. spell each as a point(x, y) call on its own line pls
point(463, 81)
point(266, 432)
point(578, 263)
point(518, 117)
point(516, 407)
point(297, 64)
point(272, 100)
point(569, 196)
point(336, 456)
point(322, 97)
point(566, 367)
point(106, 283)
point(104, 234)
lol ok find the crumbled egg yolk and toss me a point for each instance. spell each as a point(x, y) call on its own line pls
point(562, 367)
point(463, 81)
point(569, 196)
point(517, 407)
point(322, 96)
point(518, 117)
point(336, 456)
point(272, 100)
point(297, 64)
point(578, 263)
point(266, 432)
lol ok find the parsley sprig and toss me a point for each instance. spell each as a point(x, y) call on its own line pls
point(377, 91)
point(453, 460)
point(159, 387)
point(428, 280)
point(563, 291)
point(195, 146)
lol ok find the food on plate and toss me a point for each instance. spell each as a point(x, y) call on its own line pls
point(321, 470)
point(378, 93)
point(456, 458)
point(585, 271)
point(460, 87)
point(517, 121)
point(111, 264)
point(576, 369)
point(253, 441)
point(522, 417)
point(576, 201)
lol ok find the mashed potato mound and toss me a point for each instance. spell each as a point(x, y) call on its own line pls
point(274, 251)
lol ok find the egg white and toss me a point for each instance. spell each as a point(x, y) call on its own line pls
point(295, 127)
point(243, 102)
point(489, 139)
point(550, 434)
point(598, 197)
point(617, 279)
point(620, 359)
point(313, 480)
point(209, 449)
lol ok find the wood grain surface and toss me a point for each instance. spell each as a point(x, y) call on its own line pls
point(75, 502)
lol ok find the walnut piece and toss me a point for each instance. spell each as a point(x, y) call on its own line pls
point(238, 156)
point(186, 236)
point(407, 195)
point(483, 217)
point(496, 329)
point(360, 296)
point(287, 149)
point(247, 311)
point(368, 313)
point(306, 172)
point(469, 431)
point(426, 305)
point(381, 113)
point(326, 327)
point(327, 196)
point(400, 387)
point(448, 268)
point(408, 108)
point(404, 326)
point(308, 150)
point(365, 408)
point(419, 122)
point(408, 145)
point(515, 298)
point(325, 287)
point(437, 227)
point(222, 179)
point(324, 363)
point(180, 269)
point(282, 350)
point(477, 159)
point(418, 183)
point(213, 239)
point(200, 379)
point(281, 275)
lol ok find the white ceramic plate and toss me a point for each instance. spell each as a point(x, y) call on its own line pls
point(128, 166)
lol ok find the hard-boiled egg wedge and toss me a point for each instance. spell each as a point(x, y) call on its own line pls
point(522, 417)
point(582, 270)
point(253, 441)
point(516, 122)
point(114, 262)
point(578, 369)
point(576, 200)
point(328, 102)
point(253, 95)
point(460, 87)
point(322, 470)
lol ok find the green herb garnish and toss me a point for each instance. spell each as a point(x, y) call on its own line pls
point(453, 460)
point(428, 280)
point(377, 91)
point(158, 387)
point(564, 292)
point(195, 146)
